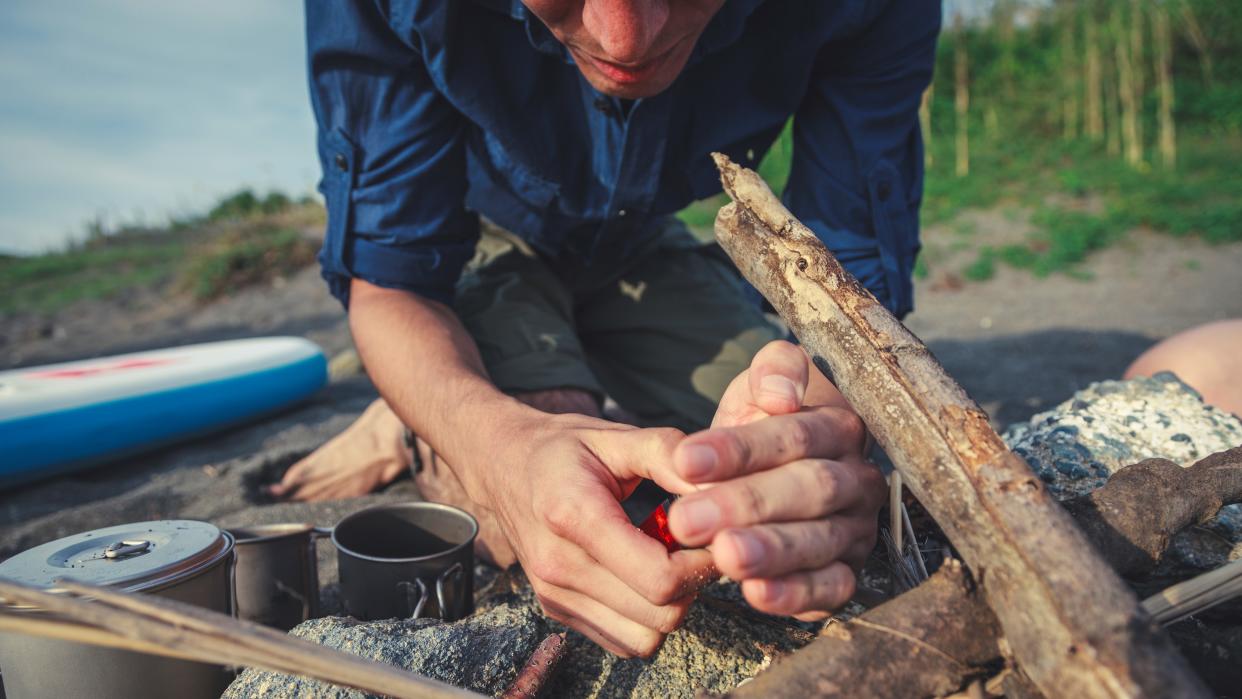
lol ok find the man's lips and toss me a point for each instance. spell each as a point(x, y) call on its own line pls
point(628, 74)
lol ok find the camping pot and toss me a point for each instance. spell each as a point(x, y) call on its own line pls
point(277, 579)
point(410, 560)
point(175, 559)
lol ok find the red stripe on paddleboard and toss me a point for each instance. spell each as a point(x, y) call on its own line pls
point(97, 369)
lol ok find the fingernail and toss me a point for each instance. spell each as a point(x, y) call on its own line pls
point(699, 460)
point(749, 549)
point(699, 516)
point(773, 590)
point(780, 387)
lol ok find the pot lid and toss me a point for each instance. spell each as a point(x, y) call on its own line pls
point(129, 557)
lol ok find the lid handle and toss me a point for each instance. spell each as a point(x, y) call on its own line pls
point(128, 547)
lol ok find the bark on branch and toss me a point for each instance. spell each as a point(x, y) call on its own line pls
point(935, 638)
point(1072, 637)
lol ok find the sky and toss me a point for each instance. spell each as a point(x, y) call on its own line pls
point(137, 110)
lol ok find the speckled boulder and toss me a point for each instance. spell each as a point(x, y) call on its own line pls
point(719, 647)
point(482, 653)
point(1077, 445)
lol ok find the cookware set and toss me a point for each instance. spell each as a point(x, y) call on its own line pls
point(403, 560)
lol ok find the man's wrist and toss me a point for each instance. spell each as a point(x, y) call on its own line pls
point(486, 464)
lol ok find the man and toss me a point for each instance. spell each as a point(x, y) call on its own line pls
point(576, 127)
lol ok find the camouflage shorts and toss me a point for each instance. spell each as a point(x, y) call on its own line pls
point(663, 334)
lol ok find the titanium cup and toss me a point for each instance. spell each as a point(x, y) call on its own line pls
point(408, 560)
point(277, 579)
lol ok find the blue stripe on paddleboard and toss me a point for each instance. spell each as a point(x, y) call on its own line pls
point(39, 446)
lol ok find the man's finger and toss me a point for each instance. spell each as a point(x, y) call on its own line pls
point(724, 453)
point(569, 567)
point(736, 405)
point(595, 522)
point(597, 622)
point(799, 593)
point(773, 550)
point(778, 377)
point(803, 490)
point(633, 453)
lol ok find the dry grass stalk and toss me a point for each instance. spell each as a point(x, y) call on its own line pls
point(1196, 594)
point(163, 627)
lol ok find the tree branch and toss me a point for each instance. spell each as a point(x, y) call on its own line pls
point(1070, 620)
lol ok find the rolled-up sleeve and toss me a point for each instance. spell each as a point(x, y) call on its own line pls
point(857, 172)
point(392, 151)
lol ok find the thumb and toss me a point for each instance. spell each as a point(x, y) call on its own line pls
point(642, 453)
point(778, 378)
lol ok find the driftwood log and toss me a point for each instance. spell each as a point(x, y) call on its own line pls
point(936, 638)
point(1071, 623)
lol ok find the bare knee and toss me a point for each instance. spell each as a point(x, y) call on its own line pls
point(1207, 357)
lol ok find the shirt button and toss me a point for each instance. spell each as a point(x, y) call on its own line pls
point(342, 163)
point(621, 213)
point(884, 190)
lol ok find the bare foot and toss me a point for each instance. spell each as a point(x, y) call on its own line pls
point(370, 453)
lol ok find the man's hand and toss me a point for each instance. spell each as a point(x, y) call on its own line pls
point(788, 502)
point(558, 501)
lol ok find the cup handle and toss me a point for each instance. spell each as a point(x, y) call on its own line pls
point(310, 604)
point(412, 601)
point(454, 570)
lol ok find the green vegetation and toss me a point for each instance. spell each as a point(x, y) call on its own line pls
point(244, 239)
point(49, 282)
point(250, 254)
point(1084, 169)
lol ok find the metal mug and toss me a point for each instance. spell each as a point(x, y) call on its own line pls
point(407, 560)
point(277, 579)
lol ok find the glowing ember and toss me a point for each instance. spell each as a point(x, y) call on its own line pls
point(656, 527)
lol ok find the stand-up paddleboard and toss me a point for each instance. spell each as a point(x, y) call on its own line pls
point(63, 417)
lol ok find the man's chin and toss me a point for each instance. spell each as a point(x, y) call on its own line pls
point(629, 91)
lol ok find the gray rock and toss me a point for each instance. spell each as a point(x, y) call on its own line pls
point(721, 645)
point(482, 653)
point(1078, 444)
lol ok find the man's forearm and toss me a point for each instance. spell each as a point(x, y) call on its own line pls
point(429, 371)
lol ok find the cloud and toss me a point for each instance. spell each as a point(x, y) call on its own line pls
point(119, 106)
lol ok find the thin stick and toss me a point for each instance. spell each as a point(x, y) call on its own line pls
point(894, 509)
point(182, 630)
point(1196, 594)
point(915, 552)
point(538, 669)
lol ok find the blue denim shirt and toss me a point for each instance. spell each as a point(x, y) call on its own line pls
point(431, 112)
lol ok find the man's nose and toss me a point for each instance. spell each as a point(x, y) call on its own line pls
point(625, 29)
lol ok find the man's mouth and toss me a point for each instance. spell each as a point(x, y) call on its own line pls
point(628, 74)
